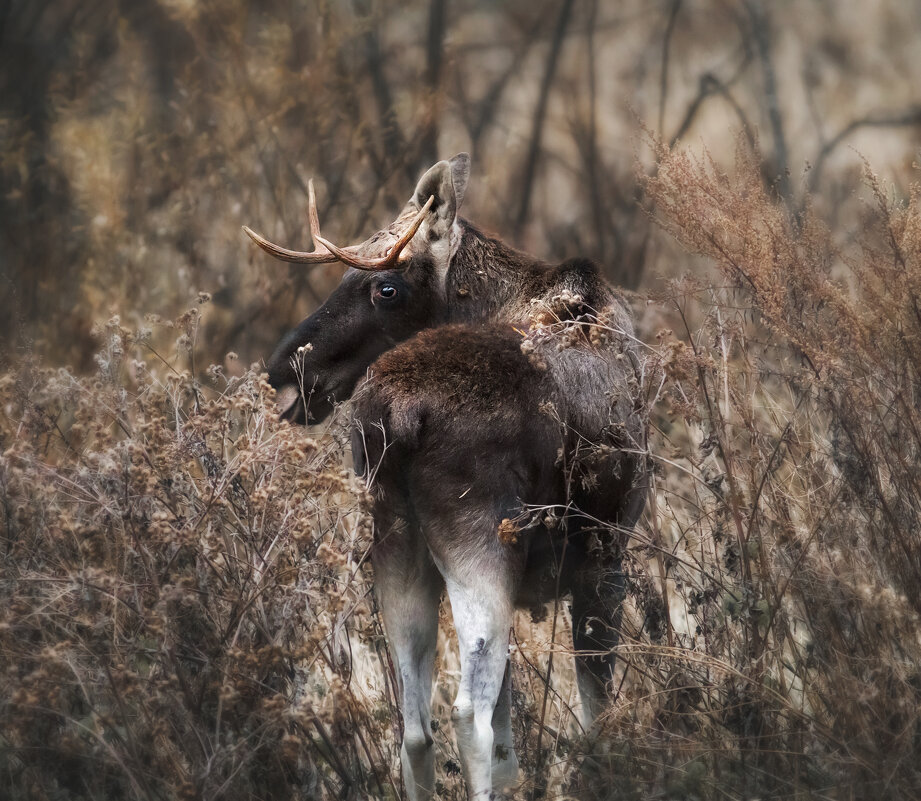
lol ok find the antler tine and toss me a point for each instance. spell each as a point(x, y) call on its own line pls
point(312, 219)
point(325, 251)
point(293, 256)
point(403, 241)
point(385, 262)
point(319, 254)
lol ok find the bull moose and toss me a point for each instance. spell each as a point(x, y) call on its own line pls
point(497, 412)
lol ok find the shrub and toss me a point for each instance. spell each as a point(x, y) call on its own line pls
point(178, 574)
point(783, 537)
point(185, 611)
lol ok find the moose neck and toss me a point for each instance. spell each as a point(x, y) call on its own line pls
point(488, 280)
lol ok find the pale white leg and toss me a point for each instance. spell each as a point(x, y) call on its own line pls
point(409, 588)
point(504, 760)
point(483, 619)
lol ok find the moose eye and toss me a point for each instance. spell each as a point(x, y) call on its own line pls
point(387, 291)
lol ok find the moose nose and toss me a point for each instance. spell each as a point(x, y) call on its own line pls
point(286, 397)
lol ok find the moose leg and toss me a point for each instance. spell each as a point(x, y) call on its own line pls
point(482, 611)
point(408, 587)
point(597, 604)
point(504, 760)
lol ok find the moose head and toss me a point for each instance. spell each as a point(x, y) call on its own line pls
point(393, 289)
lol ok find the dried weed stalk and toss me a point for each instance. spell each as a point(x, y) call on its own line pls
point(178, 593)
point(183, 611)
point(773, 640)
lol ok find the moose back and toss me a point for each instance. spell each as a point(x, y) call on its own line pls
point(499, 417)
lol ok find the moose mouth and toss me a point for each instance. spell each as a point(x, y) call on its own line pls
point(304, 408)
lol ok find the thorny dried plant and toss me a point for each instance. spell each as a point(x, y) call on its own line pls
point(181, 581)
point(185, 611)
point(783, 656)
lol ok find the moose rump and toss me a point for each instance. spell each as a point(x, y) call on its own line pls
point(452, 452)
point(460, 433)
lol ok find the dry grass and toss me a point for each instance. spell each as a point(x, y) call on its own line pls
point(180, 579)
point(184, 600)
point(784, 532)
point(185, 609)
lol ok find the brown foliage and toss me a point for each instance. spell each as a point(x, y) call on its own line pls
point(173, 600)
point(784, 539)
point(185, 613)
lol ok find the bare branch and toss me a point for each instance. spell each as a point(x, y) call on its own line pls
point(760, 28)
point(673, 10)
point(428, 148)
point(879, 119)
point(537, 126)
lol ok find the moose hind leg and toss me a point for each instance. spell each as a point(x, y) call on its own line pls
point(504, 759)
point(408, 588)
point(597, 607)
point(482, 613)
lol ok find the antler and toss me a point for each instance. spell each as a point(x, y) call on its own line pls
point(325, 252)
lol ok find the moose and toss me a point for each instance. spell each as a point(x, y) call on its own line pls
point(497, 413)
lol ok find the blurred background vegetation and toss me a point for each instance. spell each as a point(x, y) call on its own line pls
point(138, 135)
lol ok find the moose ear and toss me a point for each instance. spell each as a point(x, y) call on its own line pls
point(460, 174)
point(447, 181)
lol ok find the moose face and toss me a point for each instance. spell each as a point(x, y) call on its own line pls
point(394, 289)
point(320, 362)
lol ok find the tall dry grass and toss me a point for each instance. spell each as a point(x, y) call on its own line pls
point(181, 579)
point(783, 536)
point(185, 609)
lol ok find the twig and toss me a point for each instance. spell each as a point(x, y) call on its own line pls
point(673, 10)
point(760, 28)
point(879, 119)
point(540, 111)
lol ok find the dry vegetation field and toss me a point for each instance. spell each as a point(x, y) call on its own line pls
point(185, 606)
